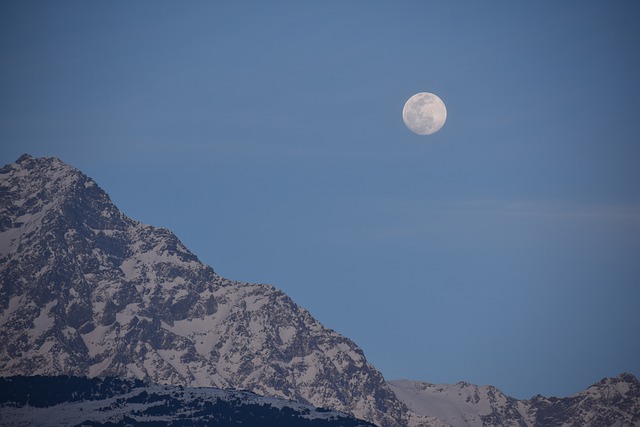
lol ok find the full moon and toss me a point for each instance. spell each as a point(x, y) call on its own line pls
point(424, 113)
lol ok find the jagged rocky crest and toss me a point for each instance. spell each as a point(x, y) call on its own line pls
point(86, 291)
point(610, 402)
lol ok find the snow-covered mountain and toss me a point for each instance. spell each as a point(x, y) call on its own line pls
point(74, 401)
point(86, 291)
point(610, 402)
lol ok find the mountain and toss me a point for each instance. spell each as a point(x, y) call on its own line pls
point(87, 291)
point(610, 402)
point(61, 401)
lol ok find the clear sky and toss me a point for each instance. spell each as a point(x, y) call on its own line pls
point(504, 249)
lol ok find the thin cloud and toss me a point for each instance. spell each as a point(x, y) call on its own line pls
point(518, 208)
point(477, 222)
point(567, 210)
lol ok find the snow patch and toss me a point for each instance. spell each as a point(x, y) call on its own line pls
point(286, 333)
point(14, 304)
point(44, 321)
point(128, 267)
point(94, 340)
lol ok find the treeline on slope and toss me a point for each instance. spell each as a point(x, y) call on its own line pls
point(43, 391)
point(173, 405)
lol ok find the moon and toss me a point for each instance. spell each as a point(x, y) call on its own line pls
point(424, 113)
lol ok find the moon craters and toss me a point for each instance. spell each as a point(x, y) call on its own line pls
point(424, 113)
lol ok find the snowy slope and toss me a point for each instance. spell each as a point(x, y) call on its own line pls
point(84, 290)
point(610, 402)
point(455, 405)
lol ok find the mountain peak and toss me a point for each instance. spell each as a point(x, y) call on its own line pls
point(41, 164)
point(87, 291)
point(25, 157)
point(628, 378)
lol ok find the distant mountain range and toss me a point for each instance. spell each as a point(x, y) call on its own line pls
point(87, 291)
point(610, 402)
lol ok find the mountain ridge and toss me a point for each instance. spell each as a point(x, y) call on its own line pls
point(89, 291)
point(611, 402)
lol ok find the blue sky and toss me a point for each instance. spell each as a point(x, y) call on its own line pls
point(268, 136)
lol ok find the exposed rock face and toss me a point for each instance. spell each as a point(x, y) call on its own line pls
point(610, 402)
point(84, 290)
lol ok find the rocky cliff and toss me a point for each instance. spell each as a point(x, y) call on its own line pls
point(85, 290)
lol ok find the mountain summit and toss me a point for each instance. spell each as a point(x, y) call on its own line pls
point(87, 291)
